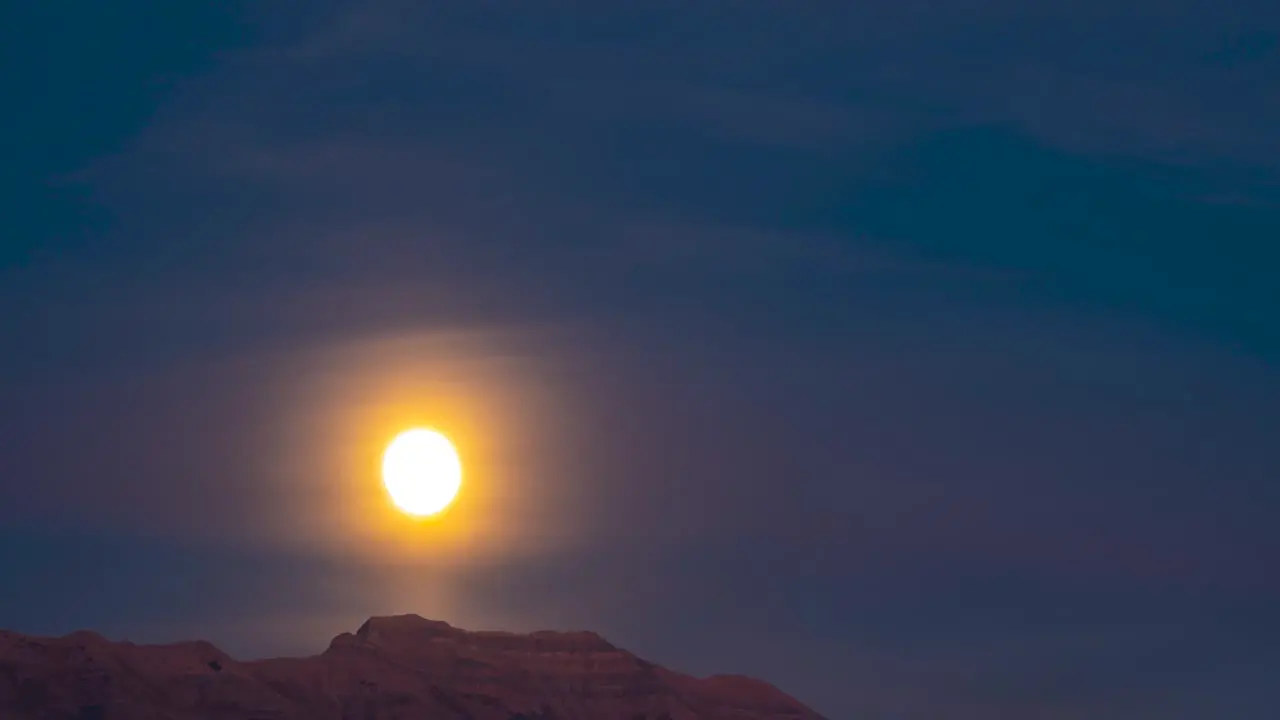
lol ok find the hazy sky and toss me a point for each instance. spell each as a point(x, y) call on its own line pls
point(921, 358)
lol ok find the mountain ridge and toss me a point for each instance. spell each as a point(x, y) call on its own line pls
point(396, 666)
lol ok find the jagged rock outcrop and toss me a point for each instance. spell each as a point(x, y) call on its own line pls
point(392, 667)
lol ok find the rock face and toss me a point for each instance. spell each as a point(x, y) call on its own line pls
point(392, 667)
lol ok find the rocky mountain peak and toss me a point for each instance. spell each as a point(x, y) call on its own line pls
point(390, 667)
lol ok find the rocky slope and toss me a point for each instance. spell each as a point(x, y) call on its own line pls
point(392, 667)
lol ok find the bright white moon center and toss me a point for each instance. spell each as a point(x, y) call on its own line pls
point(421, 471)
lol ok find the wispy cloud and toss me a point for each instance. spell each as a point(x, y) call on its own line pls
point(728, 301)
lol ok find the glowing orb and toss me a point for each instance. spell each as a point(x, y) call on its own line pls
point(421, 472)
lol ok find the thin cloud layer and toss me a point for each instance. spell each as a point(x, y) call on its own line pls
point(891, 352)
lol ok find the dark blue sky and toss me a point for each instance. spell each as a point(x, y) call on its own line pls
point(923, 360)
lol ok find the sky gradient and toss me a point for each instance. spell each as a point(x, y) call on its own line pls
point(923, 360)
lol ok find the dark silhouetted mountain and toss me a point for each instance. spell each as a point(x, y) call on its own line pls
point(392, 667)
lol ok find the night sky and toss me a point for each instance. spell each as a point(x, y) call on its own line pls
point(921, 358)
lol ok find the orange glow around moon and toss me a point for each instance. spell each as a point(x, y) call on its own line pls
point(493, 394)
point(422, 472)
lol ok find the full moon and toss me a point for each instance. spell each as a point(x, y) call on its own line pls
point(421, 472)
